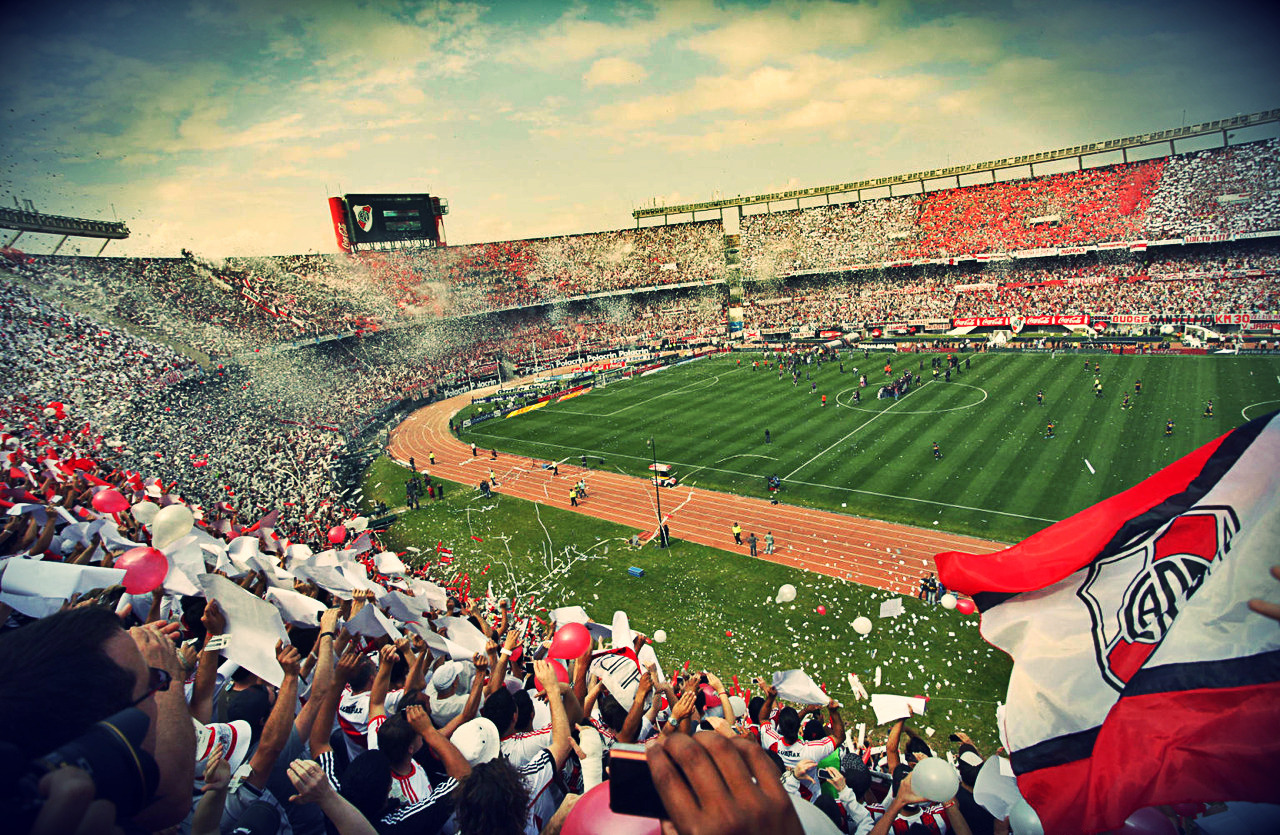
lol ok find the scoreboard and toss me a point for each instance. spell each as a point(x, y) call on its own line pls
point(375, 221)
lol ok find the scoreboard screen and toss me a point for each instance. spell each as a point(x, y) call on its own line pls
point(380, 218)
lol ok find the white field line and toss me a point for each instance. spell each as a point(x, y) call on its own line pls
point(807, 483)
point(855, 431)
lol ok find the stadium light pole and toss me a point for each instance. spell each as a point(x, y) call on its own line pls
point(657, 488)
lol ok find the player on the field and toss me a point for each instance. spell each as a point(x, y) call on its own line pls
point(1048, 432)
point(1168, 427)
point(1137, 386)
point(1208, 409)
point(1125, 404)
point(937, 453)
point(1040, 397)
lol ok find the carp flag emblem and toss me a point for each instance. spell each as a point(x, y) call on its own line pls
point(1135, 596)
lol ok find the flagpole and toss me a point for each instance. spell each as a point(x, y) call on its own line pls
point(657, 488)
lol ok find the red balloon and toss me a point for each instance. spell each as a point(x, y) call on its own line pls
point(562, 674)
point(591, 815)
point(144, 569)
point(109, 501)
point(570, 641)
point(337, 534)
point(822, 610)
point(965, 606)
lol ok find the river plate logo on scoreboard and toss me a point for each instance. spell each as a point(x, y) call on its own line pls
point(364, 216)
point(1135, 596)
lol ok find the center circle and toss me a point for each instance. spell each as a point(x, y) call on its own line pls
point(840, 402)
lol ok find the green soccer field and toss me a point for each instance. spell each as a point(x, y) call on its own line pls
point(999, 476)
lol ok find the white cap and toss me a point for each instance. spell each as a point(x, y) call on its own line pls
point(234, 737)
point(446, 674)
point(477, 740)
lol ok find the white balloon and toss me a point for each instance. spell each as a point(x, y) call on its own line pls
point(1023, 820)
point(49, 411)
point(862, 625)
point(359, 524)
point(145, 512)
point(660, 636)
point(948, 601)
point(934, 779)
point(171, 524)
point(786, 593)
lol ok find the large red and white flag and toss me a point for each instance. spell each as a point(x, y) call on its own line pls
point(1140, 675)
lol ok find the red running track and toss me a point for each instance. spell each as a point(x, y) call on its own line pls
point(867, 551)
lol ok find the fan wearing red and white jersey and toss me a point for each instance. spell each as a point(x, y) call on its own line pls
point(396, 738)
point(782, 734)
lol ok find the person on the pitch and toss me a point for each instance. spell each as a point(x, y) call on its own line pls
point(1125, 404)
point(1168, 427)
point(1137, 386)
point(1040, 397)
point(1208, 409)
point(1048, 432)
point(937, 452)
point(737, 533)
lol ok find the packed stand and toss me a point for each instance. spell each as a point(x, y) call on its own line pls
point(497, 276)
point(1218, 191)
point(268, 681)
point(1213, 192)
point(777, 244)
point(1236, 278)
point(815, 303)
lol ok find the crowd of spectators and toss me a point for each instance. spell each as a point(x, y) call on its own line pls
point(318, 711)
point(1227, 190)
point(1220, 278)
point(497, 276)
point(340, 720)
point(269, 678)
point(1219, 191)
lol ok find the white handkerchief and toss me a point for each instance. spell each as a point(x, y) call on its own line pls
point(890, 708)
point(371, 623)
point(892, 608)
point(296, 608)
point(462, 632)
point(796, 686)
point(253, 624)
point(37, 588)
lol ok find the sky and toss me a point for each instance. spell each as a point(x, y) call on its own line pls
point(222, 126)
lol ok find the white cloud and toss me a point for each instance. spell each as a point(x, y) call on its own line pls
point(614, 71)
point(788, 28)
point(573, 38)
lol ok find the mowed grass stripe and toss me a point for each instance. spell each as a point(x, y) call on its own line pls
point(995, 458)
